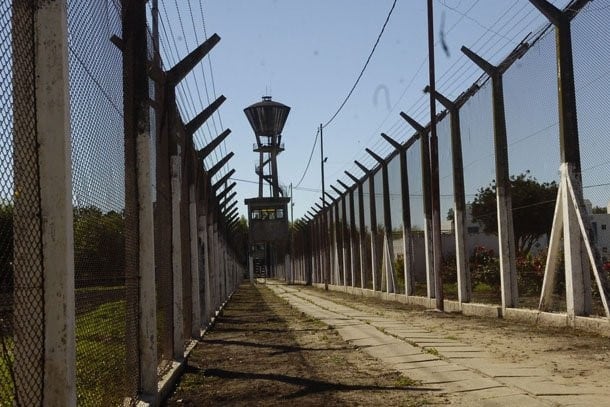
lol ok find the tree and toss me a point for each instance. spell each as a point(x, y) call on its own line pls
point(99, 247)
point(533, 205)
point(450, 215)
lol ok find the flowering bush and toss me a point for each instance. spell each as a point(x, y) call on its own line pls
point(484, 267)
point(530, 273)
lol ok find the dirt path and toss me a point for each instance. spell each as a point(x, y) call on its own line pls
point(264, 352)
point(472, 361)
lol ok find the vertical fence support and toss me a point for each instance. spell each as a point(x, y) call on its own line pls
point(506, 234)
point(217, 265)
point(577, 277)
point(205, 246)
point(316, 243)
point(407, 244)
point(373, 215)
point(459, 199)
point(353, 237)
point(341, 235)
point(425, 165)
point(434, 185)
point(139, 220)
point(308, 253)
point(44, 319)
point(361, 224)
point(346, 243)
point(195, 263)
point(210, 291)
point(176, 182)
point(350, 225)
point(334, 246)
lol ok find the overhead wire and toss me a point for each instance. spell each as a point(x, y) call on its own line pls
point(313, 149)
point(422, 100)
point(223, 147)
point(187, 104)
point(200, 65)
point(368, 60)
point(422, 109)
point(209, 58)
point(349, 94)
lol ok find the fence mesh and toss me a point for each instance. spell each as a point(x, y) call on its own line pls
point(476, 126)
point(367, 235)
point(530, 100)
point(356, 238)
point(96, 85)
point(379, 272)
point(21, 335)
point(107, 325)
point(395, 190)
point(591, 47)
point(6, 206)
point(445, 167)
point(416, 203)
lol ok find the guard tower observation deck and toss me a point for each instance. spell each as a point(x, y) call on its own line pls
point(267, 213)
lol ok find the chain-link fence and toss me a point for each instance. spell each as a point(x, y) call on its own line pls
point(21, 372)
point(6, 206)
point(89, 337)
point(96, 85)
point(490, 234)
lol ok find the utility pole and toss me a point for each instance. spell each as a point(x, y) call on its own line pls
point(326, 272)
point(322, 163)
point(434, 175)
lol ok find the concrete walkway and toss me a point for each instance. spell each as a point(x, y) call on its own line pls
point(466, 374)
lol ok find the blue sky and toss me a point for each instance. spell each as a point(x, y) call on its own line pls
point(308, 54)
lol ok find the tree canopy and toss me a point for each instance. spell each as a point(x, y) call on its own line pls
point(533, 205)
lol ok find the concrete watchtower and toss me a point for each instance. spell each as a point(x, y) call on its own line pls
point(267, 214)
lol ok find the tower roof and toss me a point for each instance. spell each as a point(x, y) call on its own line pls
point(267, 117)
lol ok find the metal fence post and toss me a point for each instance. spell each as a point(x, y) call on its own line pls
point(44, 315)
point(195, 263)
point(353, 236)
point(361, 224)
point(406, 211)
point(350, 225)
point(177, 328)
point(577, 277)
point(459, 199)
point(205, 239)
point(139, 221)
point(435, 203)
point(340, 236)
point(373, 214)
point(506, 234)
point(334, 246)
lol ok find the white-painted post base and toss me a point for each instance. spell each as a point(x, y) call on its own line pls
point(570, 217)
point(428, 247)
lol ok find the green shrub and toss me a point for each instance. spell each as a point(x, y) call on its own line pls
point(485, 267)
